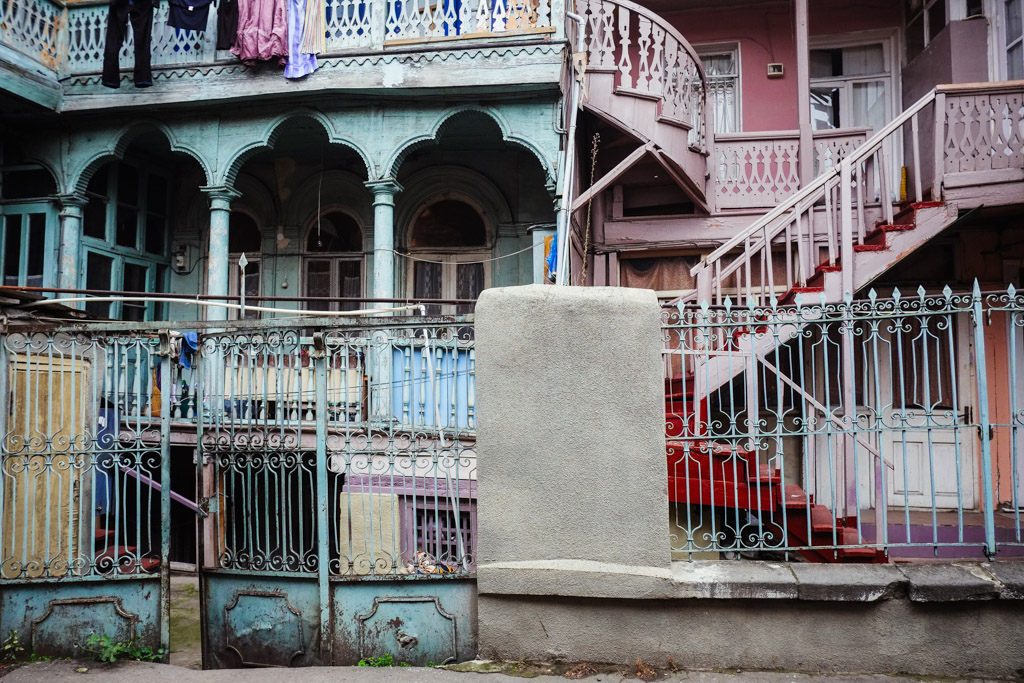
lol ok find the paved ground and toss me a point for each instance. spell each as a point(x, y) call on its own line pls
point(137, 672)
point(185, 638)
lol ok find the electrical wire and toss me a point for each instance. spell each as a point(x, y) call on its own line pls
point(489, 260)
point(234, 307)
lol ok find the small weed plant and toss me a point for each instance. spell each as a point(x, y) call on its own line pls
point(14, 651)
point(105, 649)
point(385, 660)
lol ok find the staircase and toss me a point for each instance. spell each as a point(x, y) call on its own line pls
point(752, 496)
point(644, 79)
point(825, 241)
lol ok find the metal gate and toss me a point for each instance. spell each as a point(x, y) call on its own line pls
point(83, 449)
point(338, 473)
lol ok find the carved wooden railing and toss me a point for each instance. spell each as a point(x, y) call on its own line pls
point(977, 136)
point(650, 60)
point(759, 170)
point(70, 39)
point(34, 29)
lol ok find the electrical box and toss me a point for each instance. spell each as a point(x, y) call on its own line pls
point(181, 259)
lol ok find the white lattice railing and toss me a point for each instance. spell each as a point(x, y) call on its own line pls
point(758, 170)
point(978, 137)
point(984, 128)
point(70, 39)
point(418, 20)
point(33, 28)
point(650, 58)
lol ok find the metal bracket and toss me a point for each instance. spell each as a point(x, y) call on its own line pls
point(319, 346)
point(164, 349)
point(208, 505)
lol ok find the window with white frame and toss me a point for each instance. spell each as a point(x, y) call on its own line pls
point(850, 86)
point(244, 237)
point(333, 263)
point(721, 68)
point(1014, 35)
point(124, 238)
point(449, 255)
point(925, 19)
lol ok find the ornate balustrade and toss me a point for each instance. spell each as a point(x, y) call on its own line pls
point(69, 39)
point(34, 28)
point(757, 170)
point(650, 60)
point(984, 128)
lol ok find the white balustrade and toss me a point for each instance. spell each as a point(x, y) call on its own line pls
point(417, 20)
point(650, 60)
point(33, 28)
point(984, 131)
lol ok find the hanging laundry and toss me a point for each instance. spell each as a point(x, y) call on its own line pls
point(190, 15)
point(299, 63)
point(314, 30)
point(227, 24)
point(262, 30)
point(140, 14)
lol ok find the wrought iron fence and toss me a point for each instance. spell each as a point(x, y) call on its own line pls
point(847, 431)
point(350, 447)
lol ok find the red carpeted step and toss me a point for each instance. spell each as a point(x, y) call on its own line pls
point(795, 497)
point(765, 475)
point(868, 247)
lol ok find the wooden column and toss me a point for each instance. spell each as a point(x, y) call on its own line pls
point(803, 98)
point(220, 220)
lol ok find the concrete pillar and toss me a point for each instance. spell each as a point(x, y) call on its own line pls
point(70, 239)
point(217, 265)
point(571, 434)
point(384, 192)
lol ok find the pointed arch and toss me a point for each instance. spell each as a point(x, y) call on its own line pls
point(393, 165)
point(267, 140)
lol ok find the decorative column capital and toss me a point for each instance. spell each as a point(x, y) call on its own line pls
point(384, 190)
point(221, 196)
point(71, 205)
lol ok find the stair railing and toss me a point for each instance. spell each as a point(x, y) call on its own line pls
point(842, 193)
point(650, 60)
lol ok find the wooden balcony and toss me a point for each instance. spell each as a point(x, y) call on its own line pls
point(51, 53)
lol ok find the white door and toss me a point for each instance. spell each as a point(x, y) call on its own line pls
point(928, 439)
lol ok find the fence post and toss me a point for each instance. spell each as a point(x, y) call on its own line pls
point(166, 384)
point(984, 424)
point(319, 357)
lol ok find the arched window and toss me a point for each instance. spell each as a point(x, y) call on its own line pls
point(449, 241)
point(334, 261)
point(245, 237)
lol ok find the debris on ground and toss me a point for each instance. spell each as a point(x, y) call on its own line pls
point(644, 672)
point(581, 670)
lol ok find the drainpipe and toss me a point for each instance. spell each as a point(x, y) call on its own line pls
point(568, 167)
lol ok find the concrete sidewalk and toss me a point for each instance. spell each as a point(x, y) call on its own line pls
point(138, 672)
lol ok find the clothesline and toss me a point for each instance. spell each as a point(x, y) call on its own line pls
point(488, 260)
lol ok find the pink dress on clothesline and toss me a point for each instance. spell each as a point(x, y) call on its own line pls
point(262, 30)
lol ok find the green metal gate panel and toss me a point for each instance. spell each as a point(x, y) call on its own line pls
point(338, 467)
point(83, 448)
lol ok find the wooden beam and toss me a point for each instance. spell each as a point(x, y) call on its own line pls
point(685, 182)
point(612, 175)
point(803, 93)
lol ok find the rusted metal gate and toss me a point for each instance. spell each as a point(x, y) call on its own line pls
point(83, 449)
point(338, 473)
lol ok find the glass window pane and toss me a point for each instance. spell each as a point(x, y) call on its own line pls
point(427, 284)
point(127, 226)
point(155, 232)
point(318, 280)
point(36, 246)
point(12, 250)
point(156, 194)
point(469, 282)
point(1014, 24)
point(869, 105)
point(825, 113)
point(98, 270)
point(94, 222)
point(251, 282)
point(826, 63)
point(350, 284)
point(1015, 62)
point(864, 59)
point(127, 185)
point(936, 18)
point(134, 281)
point(915, 36)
